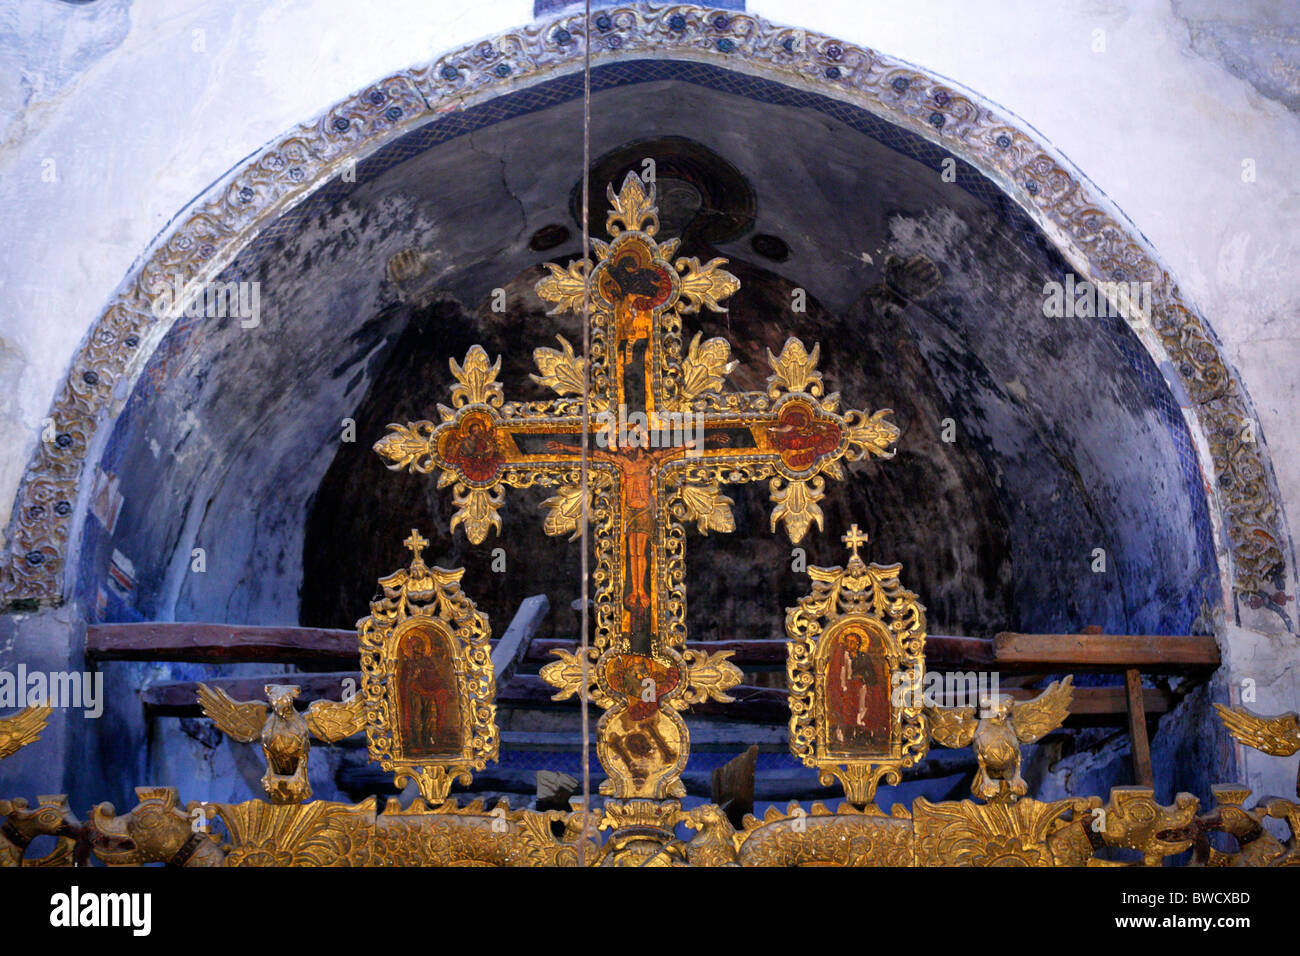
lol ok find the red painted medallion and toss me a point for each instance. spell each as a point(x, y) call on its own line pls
point(801, 438)
point(473, 447)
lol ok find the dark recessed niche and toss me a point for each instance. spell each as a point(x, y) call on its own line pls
point(548, 237)
point(770, 247)
point(701, 197)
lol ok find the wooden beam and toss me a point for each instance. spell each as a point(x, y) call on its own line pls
point(1106, 652)
point(942, 651)
point(510, 651)
point(199, 643)
point(219, 643)
point(752, 705)
point(1010, 652)
point(1137, 728)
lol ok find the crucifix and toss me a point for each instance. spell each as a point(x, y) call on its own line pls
point(664, 438)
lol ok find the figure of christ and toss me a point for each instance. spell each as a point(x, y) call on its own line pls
point(638, 467)
point(635, 290)
point(857, 695)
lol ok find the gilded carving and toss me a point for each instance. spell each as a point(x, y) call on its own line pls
point(427, 679)
point(996, 730)
point(855, 664)
point(284, 733)
point(662, 467)
point(23, 728)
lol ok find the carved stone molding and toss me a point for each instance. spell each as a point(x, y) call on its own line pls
point(212, 233)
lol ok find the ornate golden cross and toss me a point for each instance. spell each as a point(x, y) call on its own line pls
point(855, 538)
point(663, 441)
point(417, 543)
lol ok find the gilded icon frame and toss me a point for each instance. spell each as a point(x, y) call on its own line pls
point(415, 598)
point(872, 598)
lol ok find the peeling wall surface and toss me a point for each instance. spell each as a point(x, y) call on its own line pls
point(1066, 436)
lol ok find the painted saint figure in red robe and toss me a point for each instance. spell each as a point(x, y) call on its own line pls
point(857, 694)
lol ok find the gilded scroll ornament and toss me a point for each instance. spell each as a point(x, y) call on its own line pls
point(427, 677)
point(855, 656)
point(1024, 833)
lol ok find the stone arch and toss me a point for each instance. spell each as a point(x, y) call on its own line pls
point(246, 206)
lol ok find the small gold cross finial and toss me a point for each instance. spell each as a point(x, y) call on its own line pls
point(855, 538)
point(416, 543)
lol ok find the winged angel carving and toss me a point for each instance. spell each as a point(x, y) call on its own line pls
point(1278, 736)
point(286, 734)
point(997, 734)
point(22, 728)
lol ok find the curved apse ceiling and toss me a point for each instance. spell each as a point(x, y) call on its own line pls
point(1064, 437)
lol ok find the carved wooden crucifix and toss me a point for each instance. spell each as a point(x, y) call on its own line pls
point(664, 438)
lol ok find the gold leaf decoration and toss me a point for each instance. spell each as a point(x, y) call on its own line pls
point(565, 675)
point(478, 510)
point(23, 728)
point(564, 286)
point(1279, 736)
point(633, 208)
point(704, 285)
point(871, 435)
point(561, 370)
point(795, 370)
point(796, 505)
point(564, 510)
point(709, 508)
point(477, 378)
point(705, 367)
point(333, 720)
point(408, 446)
point(708, 675)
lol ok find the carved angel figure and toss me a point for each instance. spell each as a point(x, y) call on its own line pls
point(1278, 736)
point(22, 728)
point(998, 734)
point(285, 733)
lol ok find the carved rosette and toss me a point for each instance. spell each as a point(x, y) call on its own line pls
point(429, 600)
point(867, 599)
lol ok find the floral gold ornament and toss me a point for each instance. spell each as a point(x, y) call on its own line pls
point(1023, 833)
point(643, 489)
point(855, 664)
point(1078, 831)
point(427, 681)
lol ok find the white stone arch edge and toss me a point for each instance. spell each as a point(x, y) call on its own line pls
point(1094, 237)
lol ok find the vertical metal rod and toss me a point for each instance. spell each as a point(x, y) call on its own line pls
point(586, 415)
